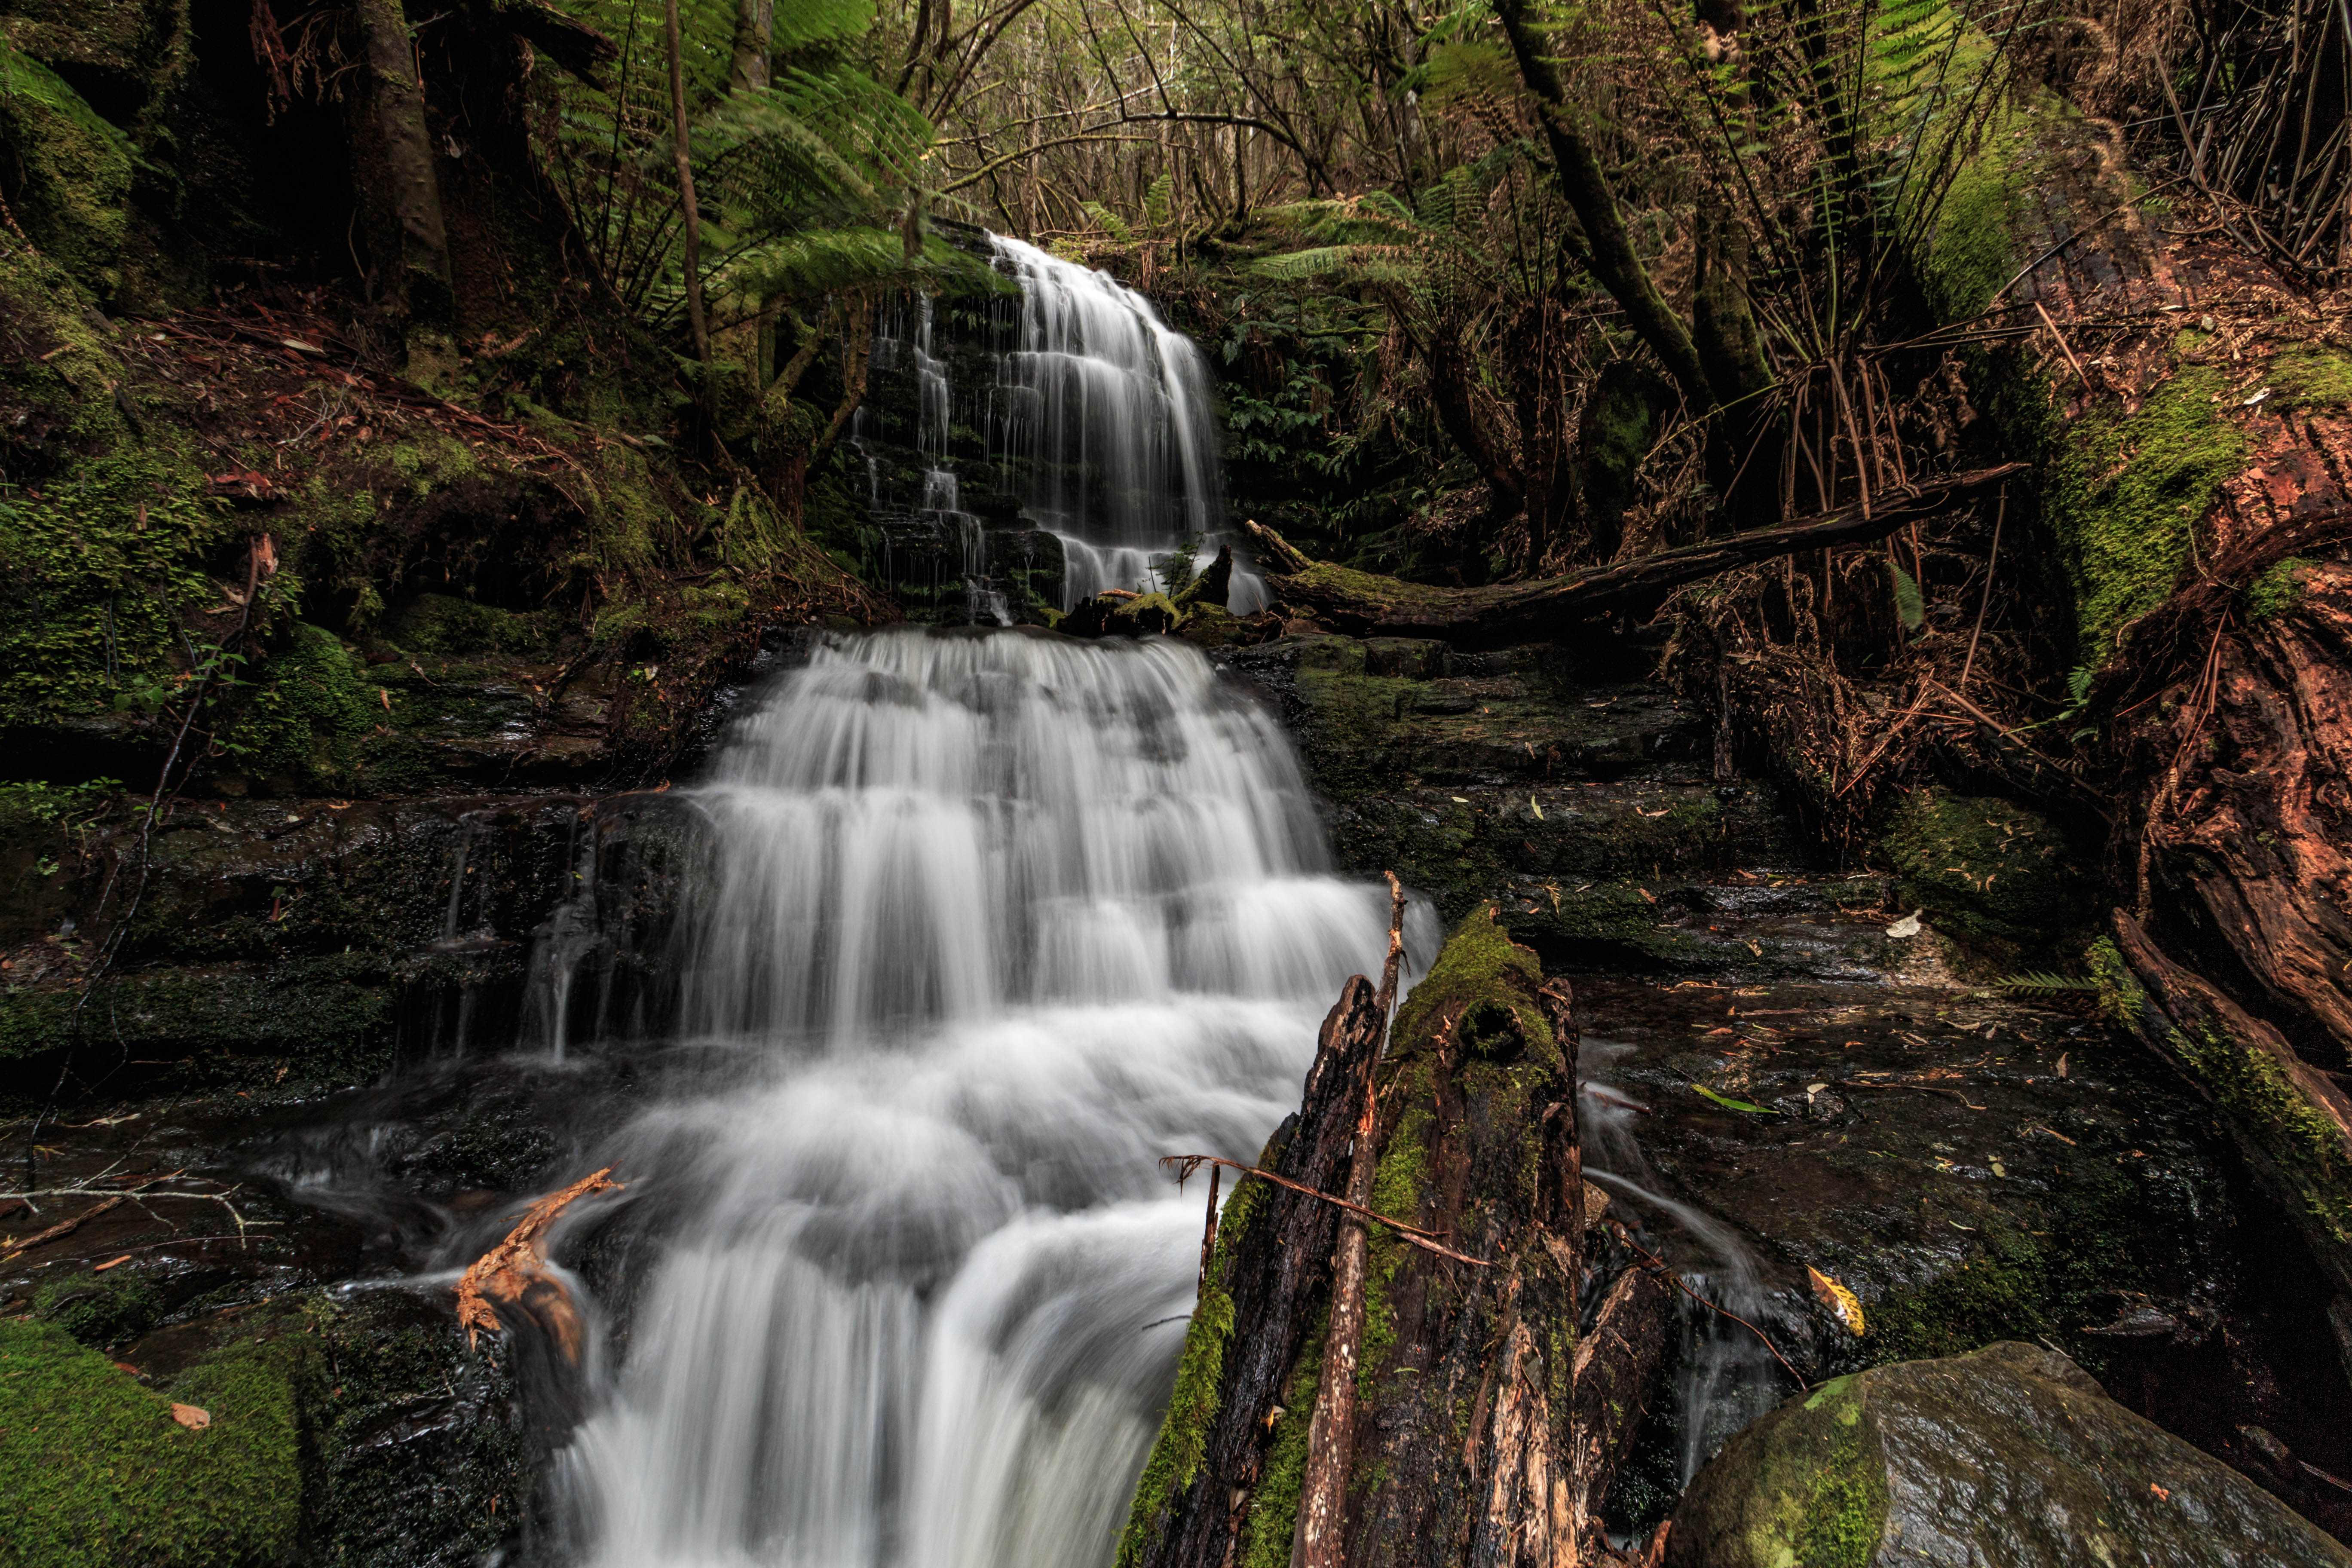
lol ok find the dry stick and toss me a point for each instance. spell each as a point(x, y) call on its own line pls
point(1185, 1165)
point(63, 1227)
point(2064, 347)
point(1321, 1538)
point(1679, 1283)
point(1991, 561)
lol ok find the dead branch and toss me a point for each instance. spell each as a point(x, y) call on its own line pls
point(513, 1274)
point(1185, 1165)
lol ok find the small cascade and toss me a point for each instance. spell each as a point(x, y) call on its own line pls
point(1064, 443)
point(562, 946)
point(1724, 1377)
point(933, 507)
point(995, 921)
point(1102, 422)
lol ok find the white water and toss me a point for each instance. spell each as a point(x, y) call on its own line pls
point(1724, 1378)
point(999, 920)
point(1102, 413)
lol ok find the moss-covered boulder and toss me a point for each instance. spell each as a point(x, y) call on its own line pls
point(2012, 1457)
point(1989, 870)
point(96, 1470)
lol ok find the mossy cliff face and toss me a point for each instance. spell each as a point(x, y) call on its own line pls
point(2011, 1455)
point(285, 950)
point(1473, 1093)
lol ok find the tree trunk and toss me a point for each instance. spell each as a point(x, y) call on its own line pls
point(1366, 603)
point(400, 191)
point(684, 154)
point(1477, 1140)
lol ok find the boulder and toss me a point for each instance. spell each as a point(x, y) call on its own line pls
point(2012, 1457)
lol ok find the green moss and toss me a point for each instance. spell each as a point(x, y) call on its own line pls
point(301, 720)
point(1351, 720)
point(99, 564)
point(95, 1472)
point(101, 1309)
point(2276, 589)
point(1193, 1409)
point(2308, 375)
point(73, 168)
point(447, 627)
point(2125, 497)
point(2253, 1089)
point(2004, 1293)
point(1478, 964)
point(1844, 1516)
point(1987, 868)
point(1273, 1519)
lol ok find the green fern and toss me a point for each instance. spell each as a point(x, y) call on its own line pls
point(2038, 982)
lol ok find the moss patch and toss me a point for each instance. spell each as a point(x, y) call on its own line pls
point(101, 1309)
point(1986, 867)
point(1476, 965)
point(95, 1472)
point(2275, 591)
point(2126, 497)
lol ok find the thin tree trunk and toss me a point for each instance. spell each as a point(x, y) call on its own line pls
point(754, 29)
point(410, 187)
point(694, 316)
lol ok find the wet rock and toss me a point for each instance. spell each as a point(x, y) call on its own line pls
point(2011, 1457)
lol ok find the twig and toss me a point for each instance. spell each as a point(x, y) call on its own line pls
point(1922, 1087)
point(2064, 347)
point(1991, 561)
point(1185, 1165)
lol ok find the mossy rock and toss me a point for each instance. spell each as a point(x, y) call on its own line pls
point(74, 170)
point(2012, 1457)
point(447, 625)
point(1988, 869)
point(95, 1472)
point(101, 1309)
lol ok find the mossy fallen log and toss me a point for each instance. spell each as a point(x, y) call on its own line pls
point(1367, 603)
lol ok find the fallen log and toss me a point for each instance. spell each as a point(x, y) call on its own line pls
point(1365, 603)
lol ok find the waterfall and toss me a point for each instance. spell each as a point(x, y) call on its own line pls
point(995, 920)
point(1101, 413)
point(1093, 420)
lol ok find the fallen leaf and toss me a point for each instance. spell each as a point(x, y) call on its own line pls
point(384, 696)
point(2162, 1495)
point(126, 1366)
point(1461, 799)
point(2061, 1064)
point(1728, 1103)
point(299, 346)
point(1660, 812)
point(1534, 808)
point(110, 1263)
point(193, 1419)
point(1842, 1302)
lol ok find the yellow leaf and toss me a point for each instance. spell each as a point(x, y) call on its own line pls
point(1838, 1300)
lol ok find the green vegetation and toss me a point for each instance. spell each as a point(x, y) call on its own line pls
point(97, 1472)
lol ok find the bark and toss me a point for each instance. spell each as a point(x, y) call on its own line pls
point(1617, 1367)
point(754, 28)
point(1366, 603)
point(397, 178)
point(1476, 1139)
point(2193, 433)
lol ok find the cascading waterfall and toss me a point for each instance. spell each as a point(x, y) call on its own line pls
point(1097, 423)
point(996, 920)
point(1101, 415)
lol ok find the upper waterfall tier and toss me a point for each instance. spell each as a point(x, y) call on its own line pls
point(1071, 410)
